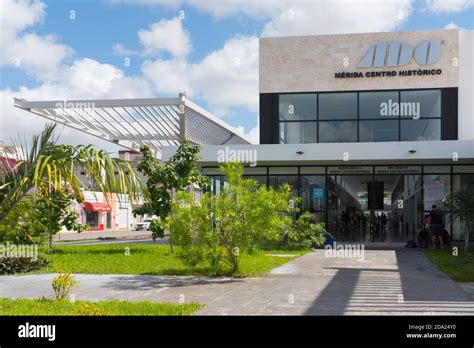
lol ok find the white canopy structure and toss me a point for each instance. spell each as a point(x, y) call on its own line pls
point(130, 123)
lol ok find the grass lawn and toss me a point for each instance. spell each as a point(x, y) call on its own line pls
point(149, 259)
point(459, 268)
point(64, 307)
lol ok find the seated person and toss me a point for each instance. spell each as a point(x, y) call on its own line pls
point(423, 235)
point(328, 239)
point(446, 237)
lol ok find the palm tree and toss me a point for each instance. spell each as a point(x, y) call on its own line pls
point(51, 164)
point(461, 202)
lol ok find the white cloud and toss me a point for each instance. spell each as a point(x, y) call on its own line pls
point(334, 17)
point(166, 36)
point(303, 17)
point(39, 55)
point(225, 79)
point(452, 25)
point(16, 16)
point(228, 77)
point(84, 79)
point(89, 76)
point(448, 6)
point(43, 57)
point(254, 9)
point(169, 76)
point(120, 50)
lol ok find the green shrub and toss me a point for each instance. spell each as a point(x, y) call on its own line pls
point(21, 225)
point(12, 265)
point(220, 228)
point(63, 284)
point(192, 256)
point(302, 233)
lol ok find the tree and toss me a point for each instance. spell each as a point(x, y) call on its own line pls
point(243, 216)
point(164, 180)
point(52, 165)
point(461, 203)
point(53, 210)
point(21, 225)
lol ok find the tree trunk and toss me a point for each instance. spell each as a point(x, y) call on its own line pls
point(234, 260)
point(171, 242)
point(466, 238)
point(173, 198)
point(50, 231)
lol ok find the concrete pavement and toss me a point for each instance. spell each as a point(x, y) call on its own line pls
point(108, 237)
point(99, 234)
point(385, 282)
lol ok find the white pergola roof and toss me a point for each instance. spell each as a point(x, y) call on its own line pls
point(130, 123)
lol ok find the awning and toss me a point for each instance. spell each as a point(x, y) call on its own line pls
point(158, 122)
point(94, 206)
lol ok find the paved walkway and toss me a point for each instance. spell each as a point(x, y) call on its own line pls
point(385, 282)
point(68, 236)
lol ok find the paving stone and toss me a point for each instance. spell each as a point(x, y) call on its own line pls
point(312, 285)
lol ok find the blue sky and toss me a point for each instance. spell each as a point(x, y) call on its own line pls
point(76, 58)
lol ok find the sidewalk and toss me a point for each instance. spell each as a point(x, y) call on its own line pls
point(384, 282)
point(62, 237)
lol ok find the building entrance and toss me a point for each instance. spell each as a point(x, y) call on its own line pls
point(377, 208)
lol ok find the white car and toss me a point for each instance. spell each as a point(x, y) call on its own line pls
point(143, 225)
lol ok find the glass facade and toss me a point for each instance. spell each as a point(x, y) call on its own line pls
point(375, 116)
point(340, 196)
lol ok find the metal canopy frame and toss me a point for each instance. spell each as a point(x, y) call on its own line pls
point(131, 123)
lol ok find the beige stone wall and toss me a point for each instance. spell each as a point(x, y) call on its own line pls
point(308, 63)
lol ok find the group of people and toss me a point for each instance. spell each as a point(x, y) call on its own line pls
point(434, 231)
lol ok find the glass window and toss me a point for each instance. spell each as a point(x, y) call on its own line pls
point(211, 171)
point(460, 180)
point(283, 170)
point(260, 179)
point(313, 196)
point(378, 131)
point(437, 169)
point(334, 106)
point(337, 132)
point(313, 170)
point(298, 132)
point(276, 181)
point(420, 130)
point(297, 106)
point(463, 169)
point(109, 220)
point(215, 184)
point(435, 188)
point(372, 104)
point(92, 219)
point(255, 170)
point(428, 102)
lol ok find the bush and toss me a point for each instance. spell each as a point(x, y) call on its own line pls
point(302, 233)
point(219, 228)
point(21, 225)
point(12, 265)
point(63, 284)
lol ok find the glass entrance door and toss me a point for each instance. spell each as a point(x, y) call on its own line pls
point(376, 208)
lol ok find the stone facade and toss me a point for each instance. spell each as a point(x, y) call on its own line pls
point(309, 63)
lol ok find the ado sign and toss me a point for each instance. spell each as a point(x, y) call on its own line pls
point(400, 53)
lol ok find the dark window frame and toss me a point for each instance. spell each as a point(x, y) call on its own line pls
point(359, 118)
